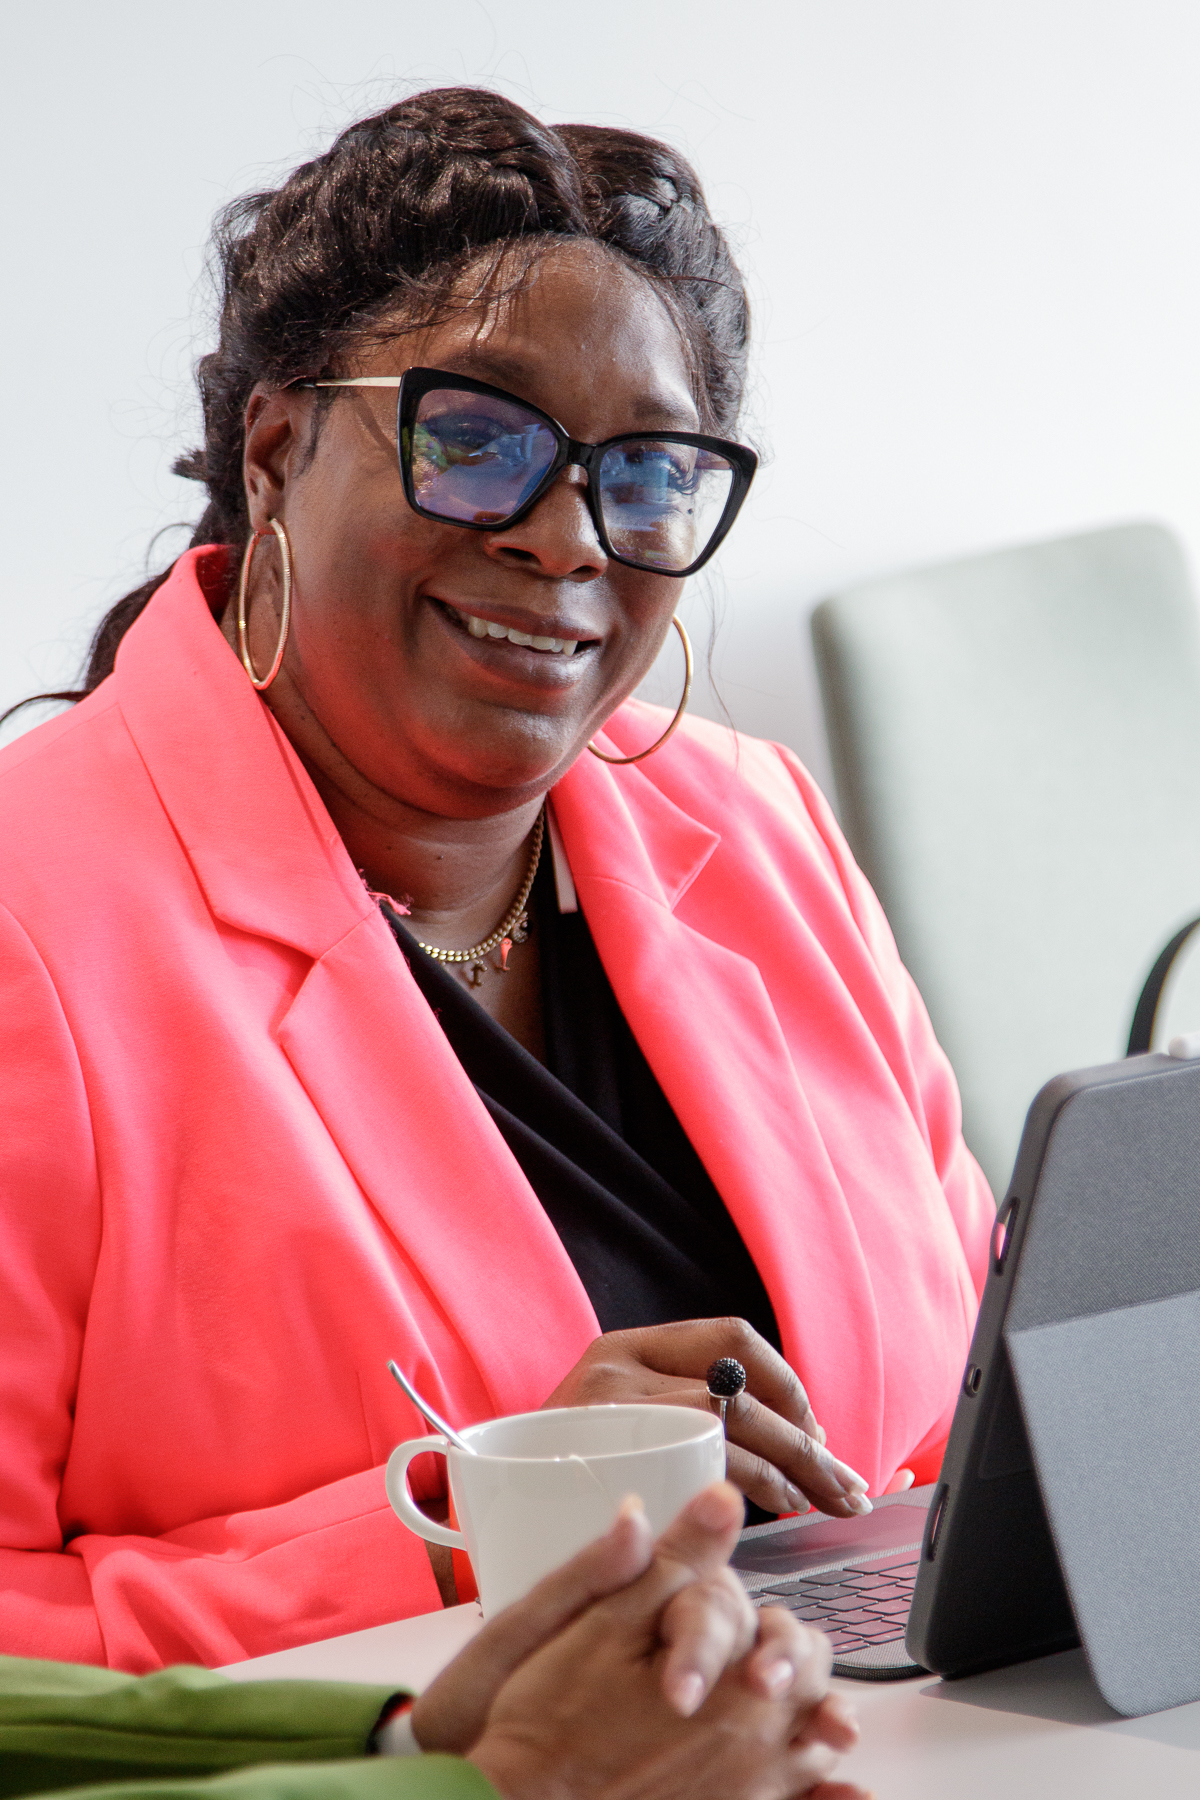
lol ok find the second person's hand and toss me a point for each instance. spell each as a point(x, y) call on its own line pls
point(586, 1717)
point(707, 1620)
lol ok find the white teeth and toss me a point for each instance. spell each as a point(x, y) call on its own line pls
point(486, 628)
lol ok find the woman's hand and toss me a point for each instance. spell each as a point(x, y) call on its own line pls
point(706, 1624)
point(670, 1689)
point(776, 1452)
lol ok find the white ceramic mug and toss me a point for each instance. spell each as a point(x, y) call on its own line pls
point(543, 1484)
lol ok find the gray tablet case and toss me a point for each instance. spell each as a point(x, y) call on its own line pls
point(1069, 1502)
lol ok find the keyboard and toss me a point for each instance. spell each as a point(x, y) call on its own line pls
point(858, 1607)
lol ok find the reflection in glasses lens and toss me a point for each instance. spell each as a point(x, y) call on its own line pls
point(475, 458)
point(662, 502)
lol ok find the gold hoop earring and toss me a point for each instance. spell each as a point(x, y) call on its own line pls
point(285, 551)
point(658, 743)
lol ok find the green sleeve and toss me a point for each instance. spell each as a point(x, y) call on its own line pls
point(369, 1778)
point(62, 1725)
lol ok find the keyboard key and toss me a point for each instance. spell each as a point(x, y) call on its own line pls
point(883, 1568)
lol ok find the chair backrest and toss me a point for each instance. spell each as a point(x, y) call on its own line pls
point(1016, 742)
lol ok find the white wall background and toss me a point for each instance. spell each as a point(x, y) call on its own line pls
point(971, 227)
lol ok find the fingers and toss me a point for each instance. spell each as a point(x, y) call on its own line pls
point(689, 1346)
point(782, 1469)
point(788, 1658)
point(704, 1534)
point(450, 1714)
point(711, 1621)
point(694, 1548)
point(794, 1660)
point(833, 1723)
point(786, 1464)
point(707, 1626)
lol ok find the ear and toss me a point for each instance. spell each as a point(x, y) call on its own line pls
point(276, 431)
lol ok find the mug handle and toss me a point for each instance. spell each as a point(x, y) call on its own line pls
point(398, 1494)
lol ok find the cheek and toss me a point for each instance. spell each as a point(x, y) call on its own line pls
point(647, 604)
point(353, 577)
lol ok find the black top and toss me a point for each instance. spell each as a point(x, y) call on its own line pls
point(599, 1143)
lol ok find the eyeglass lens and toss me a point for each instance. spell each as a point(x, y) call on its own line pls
point(477, 459)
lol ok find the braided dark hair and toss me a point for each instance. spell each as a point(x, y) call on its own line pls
point(388, 219)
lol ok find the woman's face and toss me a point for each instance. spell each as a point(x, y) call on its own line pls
point(382, 672)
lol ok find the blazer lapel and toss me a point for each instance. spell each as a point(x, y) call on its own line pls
point(412, 1129)
point(263, 847)
point(359, 1034)
point(704, 1019)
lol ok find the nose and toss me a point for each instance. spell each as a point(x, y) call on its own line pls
point(558, 538)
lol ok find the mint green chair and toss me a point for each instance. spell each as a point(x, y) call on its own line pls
point(1016, 744)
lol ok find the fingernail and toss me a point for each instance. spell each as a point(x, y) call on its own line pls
point(795, 1499)
point(687, 1691)
point(630, 1507)
point(851, 1481)
point(777, 1676)
point(842, 1710)
point(819, 1434)
point(858, 1503)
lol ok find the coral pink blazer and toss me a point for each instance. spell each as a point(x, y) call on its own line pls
point(240, 1166)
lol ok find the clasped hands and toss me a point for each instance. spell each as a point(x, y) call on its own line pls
point(641, 1671)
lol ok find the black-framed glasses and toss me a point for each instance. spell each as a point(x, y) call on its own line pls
point(476, 456)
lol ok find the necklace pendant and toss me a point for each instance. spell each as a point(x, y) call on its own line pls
point(475, 973)
point(506, 945)
point(520, 930)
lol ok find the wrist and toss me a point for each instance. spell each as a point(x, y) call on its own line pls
point(518, 1771)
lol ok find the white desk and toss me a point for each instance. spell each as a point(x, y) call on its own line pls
point(1034, 1731)
point(1039, 1731)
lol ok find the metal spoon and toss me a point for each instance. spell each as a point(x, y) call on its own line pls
point(435, 1419)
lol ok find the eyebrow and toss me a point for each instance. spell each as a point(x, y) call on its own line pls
point(650, 409)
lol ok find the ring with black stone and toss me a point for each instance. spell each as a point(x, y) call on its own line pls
point(726, 1379)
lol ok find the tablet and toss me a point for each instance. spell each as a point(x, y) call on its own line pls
point(1066, 1510)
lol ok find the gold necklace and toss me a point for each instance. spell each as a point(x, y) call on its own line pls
point(512, 929)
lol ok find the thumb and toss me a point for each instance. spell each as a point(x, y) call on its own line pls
point(450, 1714)
point(704, 1534)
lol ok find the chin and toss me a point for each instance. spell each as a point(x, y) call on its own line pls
point(510, 767)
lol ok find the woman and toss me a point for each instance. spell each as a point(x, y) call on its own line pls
point(313, 1058)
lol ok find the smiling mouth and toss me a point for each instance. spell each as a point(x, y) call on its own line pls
point(488, 628)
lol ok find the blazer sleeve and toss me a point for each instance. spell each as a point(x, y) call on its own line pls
point(64, 1725)
point(189, 1733)
point(213, 1591)
point(365, 1778)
